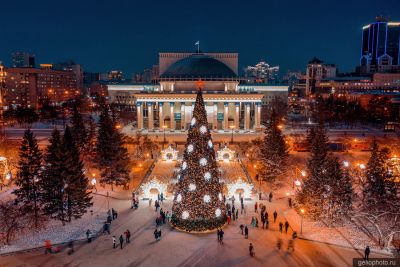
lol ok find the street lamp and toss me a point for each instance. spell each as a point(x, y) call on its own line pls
point(301, 225)
point(232, 128)
point(94, 181)
point(164, 127)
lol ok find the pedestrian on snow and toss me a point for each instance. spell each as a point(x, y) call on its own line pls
point(229, 219)
point(241, 228)
point(127, 235)
point(109, 219)
point(266, 215)
point(158, 197)
point(275, 215)
point(114, 216)
point(106, 227)
point(218, 235)
point(251, 250)
point(366, 253)
point(156, 234)
point(280, 227)
point(256, 221)
point(121, 240)
point(157, 205)
point(245, 209)
point(246, 232)
point(233, 200)
point(114, 241)
point(237, 214)
point(263, 221)
point(221, 238)
point(286, 226)
point(162, 197)
point(88, 236)
point(150, 200)
point(290, 202)
point(256, 207)
point(47, 246)
point(71, 247)
point(159, 233)
point(270, 196)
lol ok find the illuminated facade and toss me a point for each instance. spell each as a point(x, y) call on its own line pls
point(168, 104)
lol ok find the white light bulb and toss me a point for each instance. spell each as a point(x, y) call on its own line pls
point(192, 187)
point(193, 122)
point(203, 129)
point(185, 215)
point(220, 197)
point(207, 176)
point(207, 198)
point(210, 144)
point(184, 165)
point(190, 148)
point(179, 198)
point(218, 212)
point(203, 162)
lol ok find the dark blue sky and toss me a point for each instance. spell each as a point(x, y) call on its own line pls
point(127, 35)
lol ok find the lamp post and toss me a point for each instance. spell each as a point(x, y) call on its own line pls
point(94, 181)
point(232, 128)
point(164, 127)
point(301, 225)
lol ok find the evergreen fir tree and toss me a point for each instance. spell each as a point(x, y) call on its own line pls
point(53, 181)
point(90, 147)
point(112, 156)
point(379, 192)
point(78, 198)
point(337, 192)
point(274, 151)
point(198, 203)
point(28, 176)
point(78, 129)
point(311, 195)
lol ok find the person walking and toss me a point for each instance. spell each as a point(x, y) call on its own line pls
point(246, 232)
point(256, 207)
point(88, 236)
point(229, 219)
point(150, 200)
point(159, 233)
point(218, 235)
point(286, 226)
point(275, 215)
point(47, 246)
point(237, 214)
point(251, 250)
point(290, 202)
point(241, 228)
point(114, 241)
point(270, 196)
point(156, 234)
point(121, 240)
point(221, 238)
point(127, 236)
point(366, 253)
point(280, 227)
point(245, 209)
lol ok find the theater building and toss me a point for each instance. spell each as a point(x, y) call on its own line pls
point(168, 104)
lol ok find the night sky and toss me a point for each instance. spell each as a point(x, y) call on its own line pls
point(127, 35)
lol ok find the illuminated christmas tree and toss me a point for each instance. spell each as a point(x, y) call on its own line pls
point(198, 202)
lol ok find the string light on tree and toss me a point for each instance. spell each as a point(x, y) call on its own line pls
point(190, 148)
point(203, 129)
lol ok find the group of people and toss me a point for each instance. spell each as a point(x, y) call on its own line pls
point(111, 215)
point(127, 234)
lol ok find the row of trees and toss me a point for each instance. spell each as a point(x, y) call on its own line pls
point(58, 188)
point(328, 193)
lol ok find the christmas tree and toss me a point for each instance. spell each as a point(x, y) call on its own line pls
point(78, 129)
point(28, 175)
point(198, 202)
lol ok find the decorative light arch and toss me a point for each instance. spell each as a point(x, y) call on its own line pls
point(239, 184)
point(153, 184)
point(226, 154)
point(169, 154)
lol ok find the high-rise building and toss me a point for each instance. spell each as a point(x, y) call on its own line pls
point(262, 72)
point(316, 71)
point(115, 76)
point(380, 46)
point(23, 60)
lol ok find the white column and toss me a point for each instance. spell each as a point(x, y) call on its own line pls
point(247, 116)
point(183, 122)
point(150, 116)
point(172, 126)
point(215, 116)
point(257, 116)
point(160, 114)
point(237, 107)
point(226, 118)
point(139, 110)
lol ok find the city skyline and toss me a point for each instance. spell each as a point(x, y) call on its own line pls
point(124, 38)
